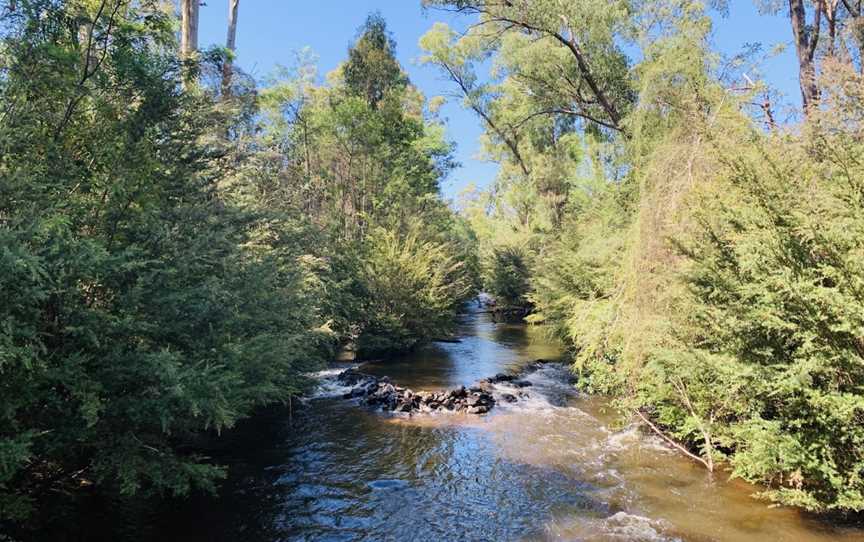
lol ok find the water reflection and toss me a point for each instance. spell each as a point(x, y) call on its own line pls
point(485, 348)
point(551, 467)
point(355, 478)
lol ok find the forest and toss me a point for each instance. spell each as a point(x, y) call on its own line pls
point(183, 244)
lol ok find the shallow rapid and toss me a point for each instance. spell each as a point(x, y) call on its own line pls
point(552, 466)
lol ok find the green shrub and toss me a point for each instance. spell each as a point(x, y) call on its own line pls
point(414, 289)
point(137, 314)
point(774, 362)
point(506, 276)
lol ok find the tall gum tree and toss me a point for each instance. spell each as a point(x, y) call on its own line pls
point(589, 79)
point(231, 46)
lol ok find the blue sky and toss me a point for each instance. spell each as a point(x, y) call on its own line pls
point(269, 32)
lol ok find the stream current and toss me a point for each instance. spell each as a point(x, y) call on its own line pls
point(553, 466)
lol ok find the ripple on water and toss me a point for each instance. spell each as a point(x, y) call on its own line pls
point(548, 467)
point(384, 485)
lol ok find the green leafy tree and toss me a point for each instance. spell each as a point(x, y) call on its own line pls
point(141, 317)
point(372, 70)
point(415, 289)
point(507, 275)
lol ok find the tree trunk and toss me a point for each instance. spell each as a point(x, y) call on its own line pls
point(830, 9)
point(188, 28)
point(805, 47)
point(854, 9)
point(230, 44)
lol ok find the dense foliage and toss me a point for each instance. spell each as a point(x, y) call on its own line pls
point(506, 278)
point(703, 262)
point(171, 259)
point(414, 289)
point(776, 320)
point(180, 245)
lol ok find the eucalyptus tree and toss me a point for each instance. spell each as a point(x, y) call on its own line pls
point(564, 58)
point(189, 17)
point(230, 45)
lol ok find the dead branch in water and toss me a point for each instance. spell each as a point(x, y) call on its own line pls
point(672, 442)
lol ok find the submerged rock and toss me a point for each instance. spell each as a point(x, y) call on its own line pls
point(353, 377)
point(379, 392)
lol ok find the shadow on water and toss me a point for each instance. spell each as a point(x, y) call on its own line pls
point(350, 475)
point(485, 348)
point(549, 467)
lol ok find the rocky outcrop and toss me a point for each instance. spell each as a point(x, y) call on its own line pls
point(381, 393)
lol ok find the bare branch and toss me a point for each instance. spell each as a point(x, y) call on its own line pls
point(669, 440)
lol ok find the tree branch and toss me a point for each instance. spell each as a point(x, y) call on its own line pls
point(511, 143)
point(669, 440)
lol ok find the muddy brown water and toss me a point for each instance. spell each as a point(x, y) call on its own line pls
point(556, 466)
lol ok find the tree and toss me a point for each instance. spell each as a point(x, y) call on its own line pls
point(372, 69)
point(147, 317)
point(806, 39)
point(189, 27)
point(587, 78)
point(558, 70)
point(230, 45)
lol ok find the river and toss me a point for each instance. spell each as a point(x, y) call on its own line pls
point(554, 466)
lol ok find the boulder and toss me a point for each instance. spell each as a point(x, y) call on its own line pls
point(359, 391)
point(478, 399)
point(352, 377)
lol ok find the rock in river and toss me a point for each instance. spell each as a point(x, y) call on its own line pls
point(478, 399)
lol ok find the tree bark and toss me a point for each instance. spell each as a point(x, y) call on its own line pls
point(806, 40)
point(854, 9)
point(829, 8)
point(188, 27)
point(230, 44)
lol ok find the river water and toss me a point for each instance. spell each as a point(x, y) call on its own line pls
point(553, 466)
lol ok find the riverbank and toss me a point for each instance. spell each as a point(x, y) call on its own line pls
point(553, 465)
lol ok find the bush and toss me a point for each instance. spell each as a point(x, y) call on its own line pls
point(414, 289)
point(506, 275)
point(574, 285)
point(775, 361)
point(137, 315)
